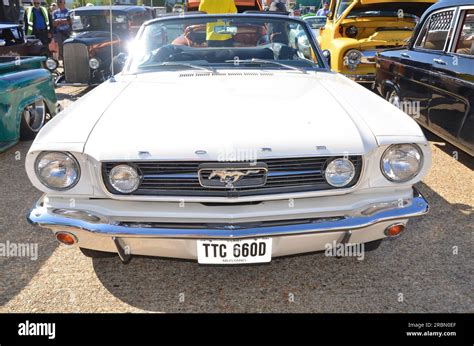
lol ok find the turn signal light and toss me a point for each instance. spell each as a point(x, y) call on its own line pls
point(66, 238)
point(394, 230)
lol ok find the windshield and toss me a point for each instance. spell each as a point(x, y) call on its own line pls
point(235, 41)
point(342, 6)
point(98, 22)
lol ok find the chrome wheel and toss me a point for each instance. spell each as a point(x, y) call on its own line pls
point(34, 115)
point(393, 98)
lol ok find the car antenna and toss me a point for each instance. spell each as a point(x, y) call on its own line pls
point(112, 78)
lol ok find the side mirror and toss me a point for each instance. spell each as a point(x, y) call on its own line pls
point(327, 56)
point(3, 43)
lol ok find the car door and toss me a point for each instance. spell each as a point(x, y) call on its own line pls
point(451, 111)
point(416, 90)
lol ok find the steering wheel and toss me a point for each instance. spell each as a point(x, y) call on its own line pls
point(182, 56)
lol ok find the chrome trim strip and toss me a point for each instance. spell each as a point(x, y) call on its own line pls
point(46, 218)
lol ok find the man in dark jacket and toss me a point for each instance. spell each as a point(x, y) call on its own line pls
point(38, 22)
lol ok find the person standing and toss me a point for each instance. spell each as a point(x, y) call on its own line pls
point(277, 32)
point(53, 7)
point(61, 24)
point(217, 7)
point(323, 12)
point(37, 22)
point(277, 5)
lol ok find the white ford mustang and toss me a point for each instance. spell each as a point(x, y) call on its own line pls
point(196, 151)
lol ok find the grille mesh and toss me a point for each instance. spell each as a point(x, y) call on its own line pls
point(180, 178)
point(76, 63)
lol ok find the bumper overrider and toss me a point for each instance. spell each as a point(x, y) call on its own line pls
point(97, 232)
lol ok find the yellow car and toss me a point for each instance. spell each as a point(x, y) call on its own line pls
point(357, 29)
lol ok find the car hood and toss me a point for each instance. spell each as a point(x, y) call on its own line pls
point(203, 116)
point(200, 115)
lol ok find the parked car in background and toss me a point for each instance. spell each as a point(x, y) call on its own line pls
point(433, 77)
point(316, 23)
point(27, 99)
point(357, 29)
point(88, 53)
point(14, 43)
point(162, 181)
point(159, 11)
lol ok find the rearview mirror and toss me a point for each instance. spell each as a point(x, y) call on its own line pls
point(225, 30)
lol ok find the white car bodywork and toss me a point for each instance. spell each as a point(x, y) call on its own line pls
point(198, 116)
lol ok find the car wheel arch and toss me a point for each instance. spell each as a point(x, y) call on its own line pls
point(389, 85)
point(27, 102)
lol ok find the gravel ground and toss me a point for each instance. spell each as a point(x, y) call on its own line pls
point(428, 269)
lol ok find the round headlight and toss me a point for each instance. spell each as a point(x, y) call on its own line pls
point(401, 162)
point(124, 178)
point(352, 59)
point(339, 172)
point(94, 63)
point(57, 170)
point(352, 31)
point(51, 64)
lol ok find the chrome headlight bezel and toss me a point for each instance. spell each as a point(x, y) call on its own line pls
point(352, 62)
point(348, 180)
point(45, 182)
point(51, 64)
point(94, 63)
point(131, 169)
point(417, 171)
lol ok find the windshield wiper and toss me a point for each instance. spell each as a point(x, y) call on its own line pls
point(183, 64)
point(263, 61)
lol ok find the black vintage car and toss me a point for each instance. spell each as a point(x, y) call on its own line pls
point(88, 52)
point(433, 76)
point(13, 42)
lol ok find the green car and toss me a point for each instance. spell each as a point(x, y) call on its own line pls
point(27, 99)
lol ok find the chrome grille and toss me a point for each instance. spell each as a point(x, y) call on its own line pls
point(76, 63)
point(180, 178)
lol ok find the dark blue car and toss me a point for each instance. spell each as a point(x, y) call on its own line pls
point(433, 77)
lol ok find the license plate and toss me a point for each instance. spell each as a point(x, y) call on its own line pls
point(234, 251)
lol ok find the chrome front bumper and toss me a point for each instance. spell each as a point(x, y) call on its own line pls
point(96, 232)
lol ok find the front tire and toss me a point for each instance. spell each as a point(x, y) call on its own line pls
point(33, 118)
point(97, 254)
